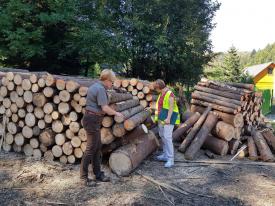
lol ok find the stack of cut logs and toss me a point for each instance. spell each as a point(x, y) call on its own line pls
point(223, 114)
point(41, 116)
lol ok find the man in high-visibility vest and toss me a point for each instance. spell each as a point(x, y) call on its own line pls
point(167, 116)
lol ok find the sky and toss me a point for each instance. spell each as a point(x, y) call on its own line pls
point(246, 24)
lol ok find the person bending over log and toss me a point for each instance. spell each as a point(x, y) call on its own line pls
point(96, 107)
point(167, 115)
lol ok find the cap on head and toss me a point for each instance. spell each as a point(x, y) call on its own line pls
point(160, 84)
point(107, 74)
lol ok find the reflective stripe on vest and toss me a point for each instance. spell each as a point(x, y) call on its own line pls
point(175, 117)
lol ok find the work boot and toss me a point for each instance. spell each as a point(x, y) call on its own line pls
point(103, 178)
point(87, 182)
point(169, 163)
point(162, 158)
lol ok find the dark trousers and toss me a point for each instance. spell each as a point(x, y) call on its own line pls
point(91, 124)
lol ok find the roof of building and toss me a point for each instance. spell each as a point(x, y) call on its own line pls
point(256, 69)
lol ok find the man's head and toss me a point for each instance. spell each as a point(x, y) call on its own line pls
point(107, 76)
point(159, 85)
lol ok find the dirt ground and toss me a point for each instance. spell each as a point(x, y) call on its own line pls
point(24, 181)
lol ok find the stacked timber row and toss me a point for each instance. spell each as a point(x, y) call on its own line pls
point(222, 114)
point(41, 116)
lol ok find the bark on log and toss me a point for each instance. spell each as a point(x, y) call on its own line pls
point(136, 120)
point(270, 138)
point(252, 150)
point(215, 145)
point(118, 97)
point(214, 106)
point(200, 138)
point(121, 106)
point(184, 127)
point(197, 126)
point(125, 159)
point(265, 152)
point(128, 113)
point(224, 131)
point(233, 146)
point(241, 85)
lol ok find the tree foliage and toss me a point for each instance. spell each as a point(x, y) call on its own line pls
point(147, 39)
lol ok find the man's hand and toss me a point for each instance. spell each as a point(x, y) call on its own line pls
point(167, 121)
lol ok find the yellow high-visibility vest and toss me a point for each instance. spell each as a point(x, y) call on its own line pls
point(175, 117)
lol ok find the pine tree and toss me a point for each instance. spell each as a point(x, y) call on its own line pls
point(232, 68)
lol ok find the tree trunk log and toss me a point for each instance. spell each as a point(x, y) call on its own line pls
point(67, 148)
point(118, 130)
point(47, 137)
point(218, 146)
point(252, 150)
point(39, 99)
point(78, 153)
point(224, 131)
point(200, 138)
point(27, 132)
point(214, 106)
point(57, 151)
point(28, 150)
point(191, 135)
point(57, 126)
point(128, 113)
point(136, 120)
point(125, 159)
point(118, 97)
point(270, 138)
point(184, 127)
point(233, 146)
point(106, 135)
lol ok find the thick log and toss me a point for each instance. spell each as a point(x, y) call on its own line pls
point(28, 96)
point(12, 128)
point(184, 127)
point(47, 137)
point(107, 121)
point(60, 84)
point(9, 139)
point(214, 106)
point(83, 91)
point(237, 97)
point(76, 142)
point(30, 119)
point(48, 92)
point(117, 83)
point(39, 113)
point(39, 99)
point(69, 134)
point(146, 90)
point(200, 138)
point(224, 131)
point(19, 139)
point(71, 159)
point(72, 86)
point(136, 120)
point(241, 85)
point(60, 139)
point(10, 86)
point(106, 135)
point(57, 151)
point(64, 96)
point(64, 108)
point(125, 159)
point(216, 145)
point(49, 108)
point(17, 79)
point(233, 146)
point(128, 113)
point(252, 150)
point(82, 134)
point(265, 152)
point(63, 159)
point(209, 99)
point(118, 97)
point(26, 84)
point(10, 76)
point(74, 127)
point(78, 153)
point(118, 130)
point(125, 83)
point(191, 135)
point(270, 138)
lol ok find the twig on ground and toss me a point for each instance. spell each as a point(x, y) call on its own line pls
point(164, 194)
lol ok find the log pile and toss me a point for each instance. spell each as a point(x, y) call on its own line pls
point(41, 115)
point(223, 114)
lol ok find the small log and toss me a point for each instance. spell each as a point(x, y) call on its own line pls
point(128, 113)
point(78, 153)
point(107, 121)
point(73, 116)
point(69, 134)
point(37, 154)
point(82, 101)
point(34, 143)
point(20, 102)
point(252, 150)
point(224, 131)
point(214, 106)
point(10, 86)
point(218, 146)
point(41, 124)
point(233, 146)
point(125, 159)
point(39, 113)
point(33, 78)
point(117, 83)
point(60, 139)
point(19, 91)
point(125, 83)
point(60, 84)
point(13, 108)
point(200, 138)
point(72, 86)
point(49, 108)
point(27, 132)
point(55, 115)
point(39, 99)
point(48, 156)
point(28, 150)
point(76, 96)
point(16, 148)
point(13, 96)
point(43, 148)
point(130, 88)
point(56, 99)
point(76, 106)
point(71, 159)
point(133, 82)
point(265, 152)
point(9, 139)
point(136, 120)
point(35, 88)
point(64, 96)
point(121, 106)
point(36, 131)
point(66, 120)
point(64, 108)
point(184, 127)
point(50, 80)
point(21, 123)
point(17, 79)
point(140, 95)
point(6, 103)
point(57, 151)
point(41, 83)
point(30, 119)
point(191, 135)
point(67, 148)
point(118, 130)
point(19, 139)
point(74, 127)
point(57, 126)
point(118, 97)
point(12, 128)
point(29, 108)
point(8, 113)
point(82, 134)
point(63, 159)
point(10, 76)
point(83, 91)
point(3, 91)
point(47, 137)
point(48, 118)
point(48, 92)
point(146, 90)
point(26, 84)
point(83, 146)
point(28, 96)
point(134, 92)
point(106, 135)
